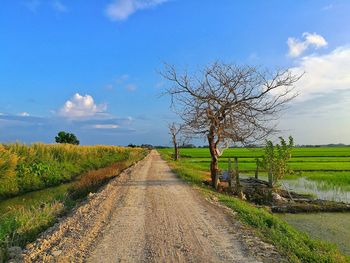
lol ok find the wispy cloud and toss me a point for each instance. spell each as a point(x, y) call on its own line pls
point(24, 114)
point(297, 47)
point(123, 81)
point(327, 7)
point(33, 5)
point(131, 87)
point(105, 126)
point(119, 10)
point(59, 6)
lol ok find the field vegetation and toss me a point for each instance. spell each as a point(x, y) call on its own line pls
point(295, 245)
point(26, 168)
point(40, 182)
point(328, 164)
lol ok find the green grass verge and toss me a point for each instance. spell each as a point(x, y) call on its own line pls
point(295, 245)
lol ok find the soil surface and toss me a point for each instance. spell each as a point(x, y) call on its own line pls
point(147, 214)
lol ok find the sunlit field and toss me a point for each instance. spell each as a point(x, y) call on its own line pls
point(327, 164)
point(40, 182)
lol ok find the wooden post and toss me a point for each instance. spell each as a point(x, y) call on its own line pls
point(229, 172)
point(257, 169)
point(270, 174)
point(237, 176)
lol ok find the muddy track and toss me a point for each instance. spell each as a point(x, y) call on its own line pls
point(148, 215)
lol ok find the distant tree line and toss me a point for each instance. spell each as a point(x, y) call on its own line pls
point(146, 146)
point(323, 145)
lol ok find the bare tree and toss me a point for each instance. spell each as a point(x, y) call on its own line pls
point(174, 130)
point(228, 103)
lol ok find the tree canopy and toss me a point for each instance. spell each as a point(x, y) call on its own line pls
point(228, 103)
point(66, 137)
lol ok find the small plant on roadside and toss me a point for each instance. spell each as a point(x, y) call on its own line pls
point(275, 159)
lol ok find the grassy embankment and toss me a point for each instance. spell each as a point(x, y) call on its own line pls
point(295, 245)
point(329, 165)
point(40, 182)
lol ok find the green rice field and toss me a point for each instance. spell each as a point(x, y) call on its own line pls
point(323, 172)
point(330, 165)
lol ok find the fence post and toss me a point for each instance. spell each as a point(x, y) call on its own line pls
point(229, 172)
point(257, 169)
point(270, 174)
point(238, 186)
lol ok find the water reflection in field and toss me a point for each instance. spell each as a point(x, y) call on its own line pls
point(321, 190)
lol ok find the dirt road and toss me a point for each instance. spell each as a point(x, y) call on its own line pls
point(149, 215)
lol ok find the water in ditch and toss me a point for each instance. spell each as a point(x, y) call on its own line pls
point(330, 227)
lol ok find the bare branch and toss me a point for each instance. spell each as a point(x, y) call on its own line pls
point(228, 103)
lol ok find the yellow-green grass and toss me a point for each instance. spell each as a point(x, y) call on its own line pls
point(296, 246)
point(26, 168)
point(23, 217)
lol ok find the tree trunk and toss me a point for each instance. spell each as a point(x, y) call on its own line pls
point(214, 169)
point(176, 156)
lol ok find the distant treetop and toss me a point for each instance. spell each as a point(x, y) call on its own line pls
point(65, 137)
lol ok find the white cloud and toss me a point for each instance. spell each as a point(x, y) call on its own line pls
point(105, 126)
point(321, 113)
point(324, 73)
point(80, 107)
point(24, 114)
point(122, 9)
point(59, 6)
point(297, 46)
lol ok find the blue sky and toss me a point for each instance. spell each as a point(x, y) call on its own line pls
point(90, 67)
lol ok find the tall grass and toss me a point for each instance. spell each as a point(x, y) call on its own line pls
point(26, 168)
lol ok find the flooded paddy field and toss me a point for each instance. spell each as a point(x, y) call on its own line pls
point(323, 172)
